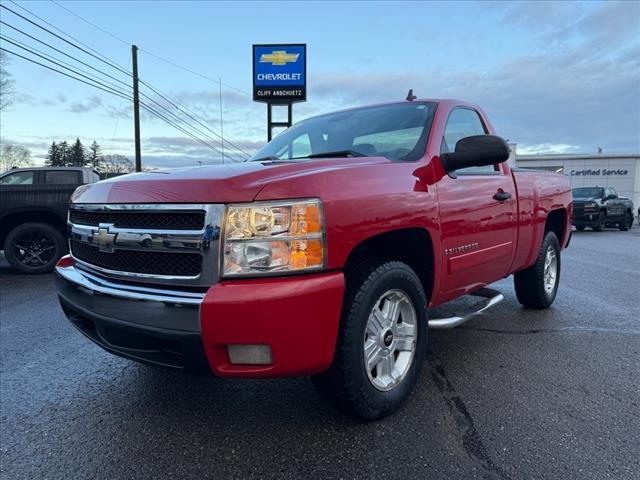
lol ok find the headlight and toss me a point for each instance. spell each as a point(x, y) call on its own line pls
point(273, 237)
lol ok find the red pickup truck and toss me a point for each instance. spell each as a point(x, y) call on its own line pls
point(320, 256)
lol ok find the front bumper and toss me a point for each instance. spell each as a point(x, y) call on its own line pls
point(589, 219)
point(297, 317)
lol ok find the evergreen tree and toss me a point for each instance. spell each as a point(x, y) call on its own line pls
point(54, 156)
point(94, 157)
point(77, 155)
point(64, 154)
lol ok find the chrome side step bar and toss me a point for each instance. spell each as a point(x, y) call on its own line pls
point(492, 297)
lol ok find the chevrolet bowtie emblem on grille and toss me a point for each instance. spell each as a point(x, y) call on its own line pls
point(104, 239)
point(279, 57)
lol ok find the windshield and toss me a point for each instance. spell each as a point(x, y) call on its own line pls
point(398, 132)
point(587, 192)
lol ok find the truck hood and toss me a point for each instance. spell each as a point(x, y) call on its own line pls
point(237, 182)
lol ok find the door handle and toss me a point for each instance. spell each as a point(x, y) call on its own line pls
point(501, 195)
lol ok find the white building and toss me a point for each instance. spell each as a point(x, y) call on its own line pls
point(620, 171)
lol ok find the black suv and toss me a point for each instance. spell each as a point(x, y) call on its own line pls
point(600, 207)
point(33, 214)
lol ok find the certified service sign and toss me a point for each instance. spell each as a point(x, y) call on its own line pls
point(280, 73)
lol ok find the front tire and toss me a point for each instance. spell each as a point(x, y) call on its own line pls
point(625, 223)
point(537, 286)
point(580, 228)
point(382, 341)
point(34, 247)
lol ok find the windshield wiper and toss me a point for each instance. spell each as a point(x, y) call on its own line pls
point(337, 153)
point(264, 159)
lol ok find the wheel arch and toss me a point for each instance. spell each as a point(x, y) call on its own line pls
point(12, 220)
point(413, 246)
point(556, 222)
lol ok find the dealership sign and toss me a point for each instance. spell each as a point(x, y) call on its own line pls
point(280, 73)
point(600, 172)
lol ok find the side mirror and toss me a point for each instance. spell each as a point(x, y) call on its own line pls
point(475, 151)
point(609, 197)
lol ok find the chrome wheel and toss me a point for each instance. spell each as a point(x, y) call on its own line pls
point(550, 270)
point(390, 340)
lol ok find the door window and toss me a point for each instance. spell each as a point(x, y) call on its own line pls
point(462, 123)
point(18, 178)
point(62, 177)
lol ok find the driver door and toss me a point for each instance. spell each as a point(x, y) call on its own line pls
point(478, 225)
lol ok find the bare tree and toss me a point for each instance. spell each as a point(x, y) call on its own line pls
point(116, 164)
point(6, 83)
point(14, 156)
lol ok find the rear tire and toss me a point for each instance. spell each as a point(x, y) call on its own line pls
point(382, 341)
point(34, 247)
point(537, 286)
point(625, 223)
point(601, 222)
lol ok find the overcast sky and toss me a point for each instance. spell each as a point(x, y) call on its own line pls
point(553, 77)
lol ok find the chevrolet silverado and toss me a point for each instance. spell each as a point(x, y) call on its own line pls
point(320, 256)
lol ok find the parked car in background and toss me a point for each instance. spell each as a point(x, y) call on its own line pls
point(600, 207)
point(33, 214)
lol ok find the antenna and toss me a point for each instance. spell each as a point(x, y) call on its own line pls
point(410, 96)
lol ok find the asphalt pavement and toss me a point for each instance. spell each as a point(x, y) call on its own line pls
point(515, 394)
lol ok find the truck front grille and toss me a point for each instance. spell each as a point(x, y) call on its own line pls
point(132, 219)
point(135, 261)
point(173, 244)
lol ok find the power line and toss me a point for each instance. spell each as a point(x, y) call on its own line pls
point(158, 57)
point(63, 73)
point(173, 124)
point(64, 53)
point(190, 115)
point(50, 57)
point(175, 118)
point(33, 52)
point(98, 56)
point(193, 72)
point(101, 86)
point(93, 81)
point(91, 23)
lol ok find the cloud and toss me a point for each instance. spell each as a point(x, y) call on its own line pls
point(546, 148)
point(580, 96)
point(90, 104)
point(611, 24)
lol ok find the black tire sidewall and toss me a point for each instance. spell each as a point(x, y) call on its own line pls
point(602, 219)
point(399, 277)
point(626, 222)
point(56, 237)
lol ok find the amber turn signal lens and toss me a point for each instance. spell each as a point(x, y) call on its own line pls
point(305, 219)
point(306, 254)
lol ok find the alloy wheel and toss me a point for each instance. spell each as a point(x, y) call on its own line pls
point(390, 339)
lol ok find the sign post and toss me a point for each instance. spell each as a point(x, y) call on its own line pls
point(279, 78)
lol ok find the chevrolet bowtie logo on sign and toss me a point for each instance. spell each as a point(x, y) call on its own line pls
point(104, 239)
point(279, 57)
point(279, 73)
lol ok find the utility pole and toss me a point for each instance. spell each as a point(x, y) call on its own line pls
point(136, 107)
point(221, 129)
